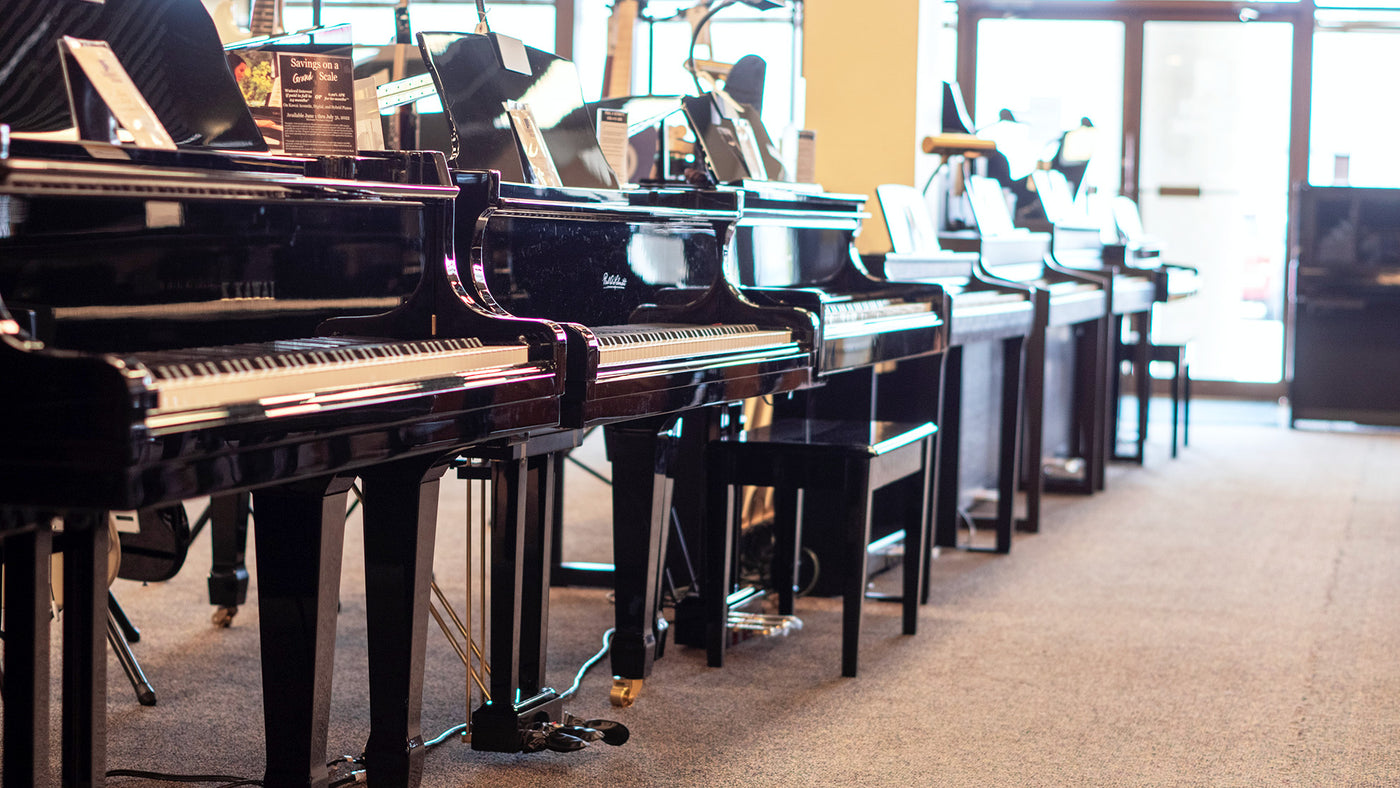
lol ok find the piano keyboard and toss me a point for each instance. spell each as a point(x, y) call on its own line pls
point(986, 301)
point(658, 342)
point(291, 377)
point(1060, 290)
point(876, 315)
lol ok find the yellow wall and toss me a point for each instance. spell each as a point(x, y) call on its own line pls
point(861, 64)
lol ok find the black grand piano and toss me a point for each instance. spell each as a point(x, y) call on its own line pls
point(127, 401)
point(161, 339)
point(881, 341)
point(590, 255)
point(991, 320)
point(1065, 395)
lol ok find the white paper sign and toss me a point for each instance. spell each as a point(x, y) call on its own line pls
point(114, 85)
point(369, 129)
point(806, 156)
point(612, 138)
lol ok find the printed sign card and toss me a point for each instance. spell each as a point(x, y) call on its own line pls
point(612, 138)
point(303, 103)
point(318, 104)
point(806, 156)
point(99, 65)
point(369, 129)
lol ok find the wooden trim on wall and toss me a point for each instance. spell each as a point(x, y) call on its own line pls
point(1132, 107)
point(564, 28)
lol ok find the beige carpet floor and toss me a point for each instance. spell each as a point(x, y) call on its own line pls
point(1228, 618)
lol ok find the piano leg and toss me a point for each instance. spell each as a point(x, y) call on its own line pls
point(522, 518)
point(400, 522)
point(85, 649)
point(1142, 360)
point(1033, 471)
point(228, 541)
point(26, 550)
point(536, 558)
point(299, 537)
point(1090, 357)
point(949, 440)
point(641, 523)
point(1012, 376)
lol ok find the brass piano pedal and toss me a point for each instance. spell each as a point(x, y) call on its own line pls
point(223, 616)
point(624, 691)
point(743, 626)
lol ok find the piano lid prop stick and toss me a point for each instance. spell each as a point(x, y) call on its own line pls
point(404, 129)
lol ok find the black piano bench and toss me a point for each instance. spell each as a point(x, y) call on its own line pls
point(838, 466)
point(1178, 356)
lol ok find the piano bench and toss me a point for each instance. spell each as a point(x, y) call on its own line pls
point(1178, 356)
point(838, 466)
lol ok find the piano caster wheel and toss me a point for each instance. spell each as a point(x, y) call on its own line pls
point(625, 691)
point(223, 616)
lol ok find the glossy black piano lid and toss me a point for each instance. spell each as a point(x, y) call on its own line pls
point(170, 48)
point(123, 273)
point(473, 84)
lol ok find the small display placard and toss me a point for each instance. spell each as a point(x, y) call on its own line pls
point(318, 104)
point(104, 71)
point(806, 156)
point(612, 138)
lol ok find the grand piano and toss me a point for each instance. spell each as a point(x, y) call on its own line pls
point(592, 256)
point(1139, 280)
point(161, 338)
point(1065, 395)
point(881, 341)
point(991, 320)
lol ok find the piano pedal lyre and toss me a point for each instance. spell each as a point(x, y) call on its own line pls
point(470, 650)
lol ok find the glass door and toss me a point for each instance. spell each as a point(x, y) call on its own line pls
point(1213, 186)
point(1050, 74)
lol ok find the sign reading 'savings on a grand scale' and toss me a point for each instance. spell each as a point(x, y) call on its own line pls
point(303, 103)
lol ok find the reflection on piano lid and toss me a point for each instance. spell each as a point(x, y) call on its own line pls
point(474, 86)
point(170, 48)
point(719, 140)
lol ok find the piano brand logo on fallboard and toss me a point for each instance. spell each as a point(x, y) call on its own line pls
point(614, 282)
point(249, 289)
